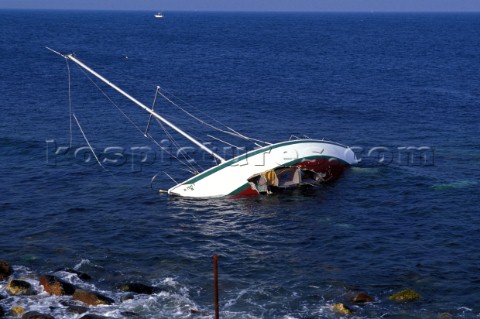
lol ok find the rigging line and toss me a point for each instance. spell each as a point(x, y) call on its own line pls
point(171, 177)
point(111, 101)
point(196, 108)
point(151, 181)
point(190, 114)
point(235, 133)
point(175, 143)
point(211, 118)
point(170, 137)
point(69, 100)
point(153, 106)
point(193, 170)
point(156, 175)
point(197, 118)
point(190, 169)
point(88, 143)
point(91, 148)
point(216, 138)
point(249, 138)
point(146, 108)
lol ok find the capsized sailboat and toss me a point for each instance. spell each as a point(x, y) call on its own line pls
point(266, 169)
point(283, 165)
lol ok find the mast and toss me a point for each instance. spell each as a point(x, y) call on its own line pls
point(128, 96)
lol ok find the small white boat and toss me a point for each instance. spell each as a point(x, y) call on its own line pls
point(158, 15)
point(268, 168)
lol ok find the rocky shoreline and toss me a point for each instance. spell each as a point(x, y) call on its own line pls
point(82, 301)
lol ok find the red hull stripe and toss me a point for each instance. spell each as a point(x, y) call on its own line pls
point(244, 190)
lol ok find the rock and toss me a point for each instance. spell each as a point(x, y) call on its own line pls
point(445, 315)
point(36, 315)
point(127, 297)
point(19, 287)
point(80, 274)
point(73, 306)
point(77, 309)
point(341, 309)
point(2, 313)
point(17, 311)
point(91, 298)
point(137, 288)
point(405, 295)
point(55, 286)
point(198, 312)
point(5, 270)
point(362, 297)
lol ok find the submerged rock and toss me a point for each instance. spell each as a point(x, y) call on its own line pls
point(127, 297)
point(5, 270)
point(362, 297)
point(341, 309)
point(55, 286)
point(73, 306)
point(77, 309)
point(80, 274)
point(91, 298)
point(137, 288)
point(36, 315)
point(198, 312)
point(405, 295)
point(19, 287)
point(17, 310)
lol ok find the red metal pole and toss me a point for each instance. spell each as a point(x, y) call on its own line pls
point(215, 284)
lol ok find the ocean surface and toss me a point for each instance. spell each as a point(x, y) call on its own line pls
point(402, 89)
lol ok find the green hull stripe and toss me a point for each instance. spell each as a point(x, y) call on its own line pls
point(253, 153)
point(240, 189)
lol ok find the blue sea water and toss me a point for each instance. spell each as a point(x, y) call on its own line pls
point(381, 83)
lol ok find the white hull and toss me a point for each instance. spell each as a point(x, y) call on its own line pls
point(230, 177)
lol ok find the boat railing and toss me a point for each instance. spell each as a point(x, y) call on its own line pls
point(302, 137)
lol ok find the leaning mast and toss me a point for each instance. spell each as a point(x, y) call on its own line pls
point(131, 98)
